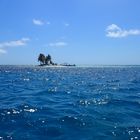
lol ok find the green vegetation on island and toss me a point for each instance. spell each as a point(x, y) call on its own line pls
point(47, 61)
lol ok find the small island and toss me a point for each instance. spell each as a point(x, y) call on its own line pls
point(47, 61)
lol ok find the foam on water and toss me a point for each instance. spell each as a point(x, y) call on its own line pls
point(69, 103)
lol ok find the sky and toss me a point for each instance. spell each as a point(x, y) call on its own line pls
point(82, 32)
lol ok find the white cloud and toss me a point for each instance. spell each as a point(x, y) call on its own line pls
point(115, 31)
point(58, 44)
point(38, 22)
point(2, 51)
point(21, 42)
point(113, 27)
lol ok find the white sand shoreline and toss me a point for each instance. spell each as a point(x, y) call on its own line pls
point(54, 66)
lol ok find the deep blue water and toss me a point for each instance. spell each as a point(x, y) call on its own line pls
point(99, 103)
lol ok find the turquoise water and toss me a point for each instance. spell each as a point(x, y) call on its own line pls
point(97, 103)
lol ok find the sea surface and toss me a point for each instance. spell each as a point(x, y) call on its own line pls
point(72, 103)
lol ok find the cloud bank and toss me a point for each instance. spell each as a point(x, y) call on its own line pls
point(14, 43)
point(2, 51)
point(21, 42)
point(114, 31)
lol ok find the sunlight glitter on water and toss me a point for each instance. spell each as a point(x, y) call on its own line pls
point(57, 103)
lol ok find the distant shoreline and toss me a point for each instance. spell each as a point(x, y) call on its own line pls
point(47, 66)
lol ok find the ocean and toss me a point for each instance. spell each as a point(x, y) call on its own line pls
point(71, 103)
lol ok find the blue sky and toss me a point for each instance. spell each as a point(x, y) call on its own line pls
point(88, 32)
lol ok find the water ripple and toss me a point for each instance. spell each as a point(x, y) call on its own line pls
point(69, 103)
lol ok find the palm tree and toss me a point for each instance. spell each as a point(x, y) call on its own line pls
point(41, 58)
point(48, 60)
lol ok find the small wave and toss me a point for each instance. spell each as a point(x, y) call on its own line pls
point(30, 110)
point(99, 100)
point(93, 101)
point(135, 81)
point(113, 81)
point(72, 120)
point(6, 137)
point(17, 110)
point(123, 102)
point(53, 132)
point(26, 79)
